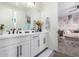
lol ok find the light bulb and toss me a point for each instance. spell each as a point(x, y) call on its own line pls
point(30, 4)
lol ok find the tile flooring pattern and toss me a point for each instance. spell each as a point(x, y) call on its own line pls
point(59, 54)
point(69, 47)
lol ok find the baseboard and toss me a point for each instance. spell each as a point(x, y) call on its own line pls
point(46, 53)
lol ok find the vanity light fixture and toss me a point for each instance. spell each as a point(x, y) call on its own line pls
point(27, 4)
point(31, 4)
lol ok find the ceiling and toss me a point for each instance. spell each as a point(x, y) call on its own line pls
point(62, 6)
point(22, 5)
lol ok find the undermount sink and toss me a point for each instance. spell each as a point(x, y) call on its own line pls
point(29, 31)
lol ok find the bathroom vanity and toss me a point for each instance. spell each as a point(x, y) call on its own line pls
point(23, 45)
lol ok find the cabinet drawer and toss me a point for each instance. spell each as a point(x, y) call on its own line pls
point(8, 51)
point(23, 38)
point(34, 36)
point(13, 40)
point(7, 41)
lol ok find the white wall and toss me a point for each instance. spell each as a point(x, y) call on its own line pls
point(50, 10)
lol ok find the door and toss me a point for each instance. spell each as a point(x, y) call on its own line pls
point(9, 51)
point(24, 49)
point(43, 41)
point(35, 43)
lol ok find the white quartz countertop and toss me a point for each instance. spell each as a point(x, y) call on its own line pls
point(14, 35)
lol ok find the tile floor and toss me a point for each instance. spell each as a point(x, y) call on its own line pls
point(68, 47)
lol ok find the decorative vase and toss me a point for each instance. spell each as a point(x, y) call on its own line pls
point(39, 29)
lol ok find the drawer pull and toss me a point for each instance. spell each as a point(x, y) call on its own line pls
point(35, 36)
point(20, 50)
point(38, 43)
point(17, 51)
point(44, 40)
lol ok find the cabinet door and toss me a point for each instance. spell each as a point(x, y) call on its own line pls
point(25, 49)
point(43, 41)
point(9, 51)
point(35, 46)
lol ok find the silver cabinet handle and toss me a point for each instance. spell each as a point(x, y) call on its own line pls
point(44, 40)
point(38, 43)
point(20, 50)
point(35, 36)
point(17, 51)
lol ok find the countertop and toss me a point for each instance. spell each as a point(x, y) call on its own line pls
point(14, 35)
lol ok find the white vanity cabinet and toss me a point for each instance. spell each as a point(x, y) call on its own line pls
point(25, 49)
point(43, 41)
point(35, 43)
point(9, 51)
point(38, 43)
point(24, 46)
point(8, 47)
point(18, 46)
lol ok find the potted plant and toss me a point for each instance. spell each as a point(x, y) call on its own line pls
point(39, 23)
